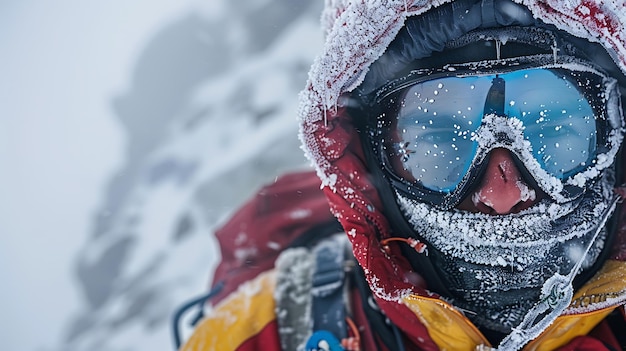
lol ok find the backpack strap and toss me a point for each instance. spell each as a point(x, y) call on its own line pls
point(311, 303)
point(329, 305)
point(293, 297)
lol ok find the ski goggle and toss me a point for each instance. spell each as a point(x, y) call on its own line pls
point(433, 130)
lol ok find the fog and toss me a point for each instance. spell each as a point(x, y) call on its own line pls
point(129, 131)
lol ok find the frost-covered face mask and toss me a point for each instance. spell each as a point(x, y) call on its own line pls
point(515, 272)
point(434, 129)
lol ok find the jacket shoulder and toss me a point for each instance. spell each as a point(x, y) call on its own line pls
point(279, 214)
point(244, 320)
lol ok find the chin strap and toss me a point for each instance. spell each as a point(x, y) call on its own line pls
point(556, 294)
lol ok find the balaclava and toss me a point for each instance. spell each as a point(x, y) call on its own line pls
point(512, 271)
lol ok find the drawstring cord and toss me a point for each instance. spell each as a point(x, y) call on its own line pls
point(417, 245)
point(352, 343)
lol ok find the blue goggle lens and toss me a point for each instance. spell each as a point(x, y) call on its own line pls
point(430, 141)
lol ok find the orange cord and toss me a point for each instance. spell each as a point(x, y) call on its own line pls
point(352, 343)
point(417, 245)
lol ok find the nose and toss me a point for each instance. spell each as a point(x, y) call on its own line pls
point(502, 189)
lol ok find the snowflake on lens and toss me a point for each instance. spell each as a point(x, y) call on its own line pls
point(402, 149)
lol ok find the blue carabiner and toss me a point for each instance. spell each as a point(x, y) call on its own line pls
point(323, 340)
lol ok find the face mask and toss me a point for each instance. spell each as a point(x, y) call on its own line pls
point(496, 267)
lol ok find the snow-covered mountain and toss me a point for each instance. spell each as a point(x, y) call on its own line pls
point(208, 117)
